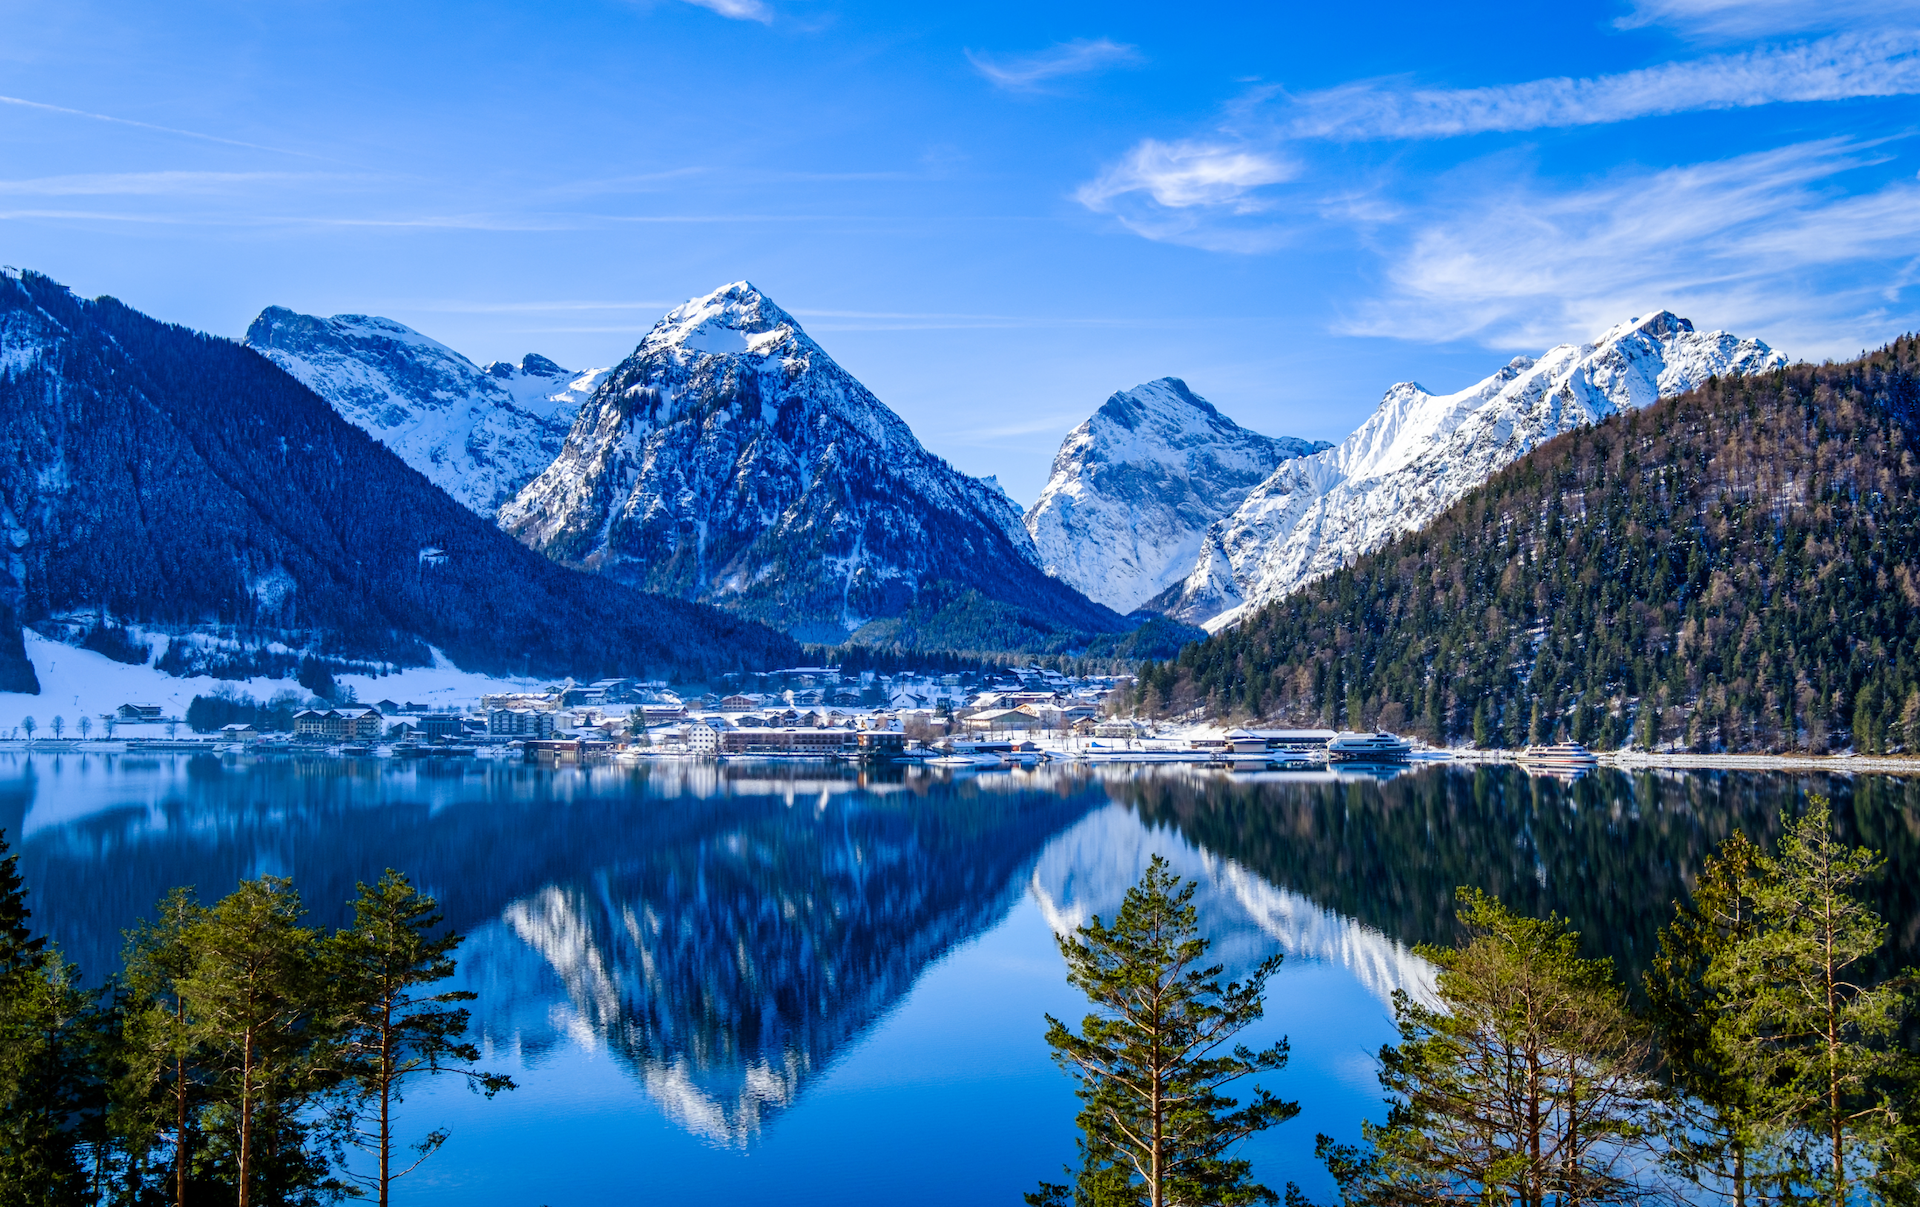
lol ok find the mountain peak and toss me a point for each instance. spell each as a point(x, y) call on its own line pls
point(1135, 486)
point(1664, 324)
point(729, 459)
point(1419, 452)
point(1165, 394)
point(733, 319)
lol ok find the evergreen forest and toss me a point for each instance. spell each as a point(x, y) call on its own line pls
point(1734, 569)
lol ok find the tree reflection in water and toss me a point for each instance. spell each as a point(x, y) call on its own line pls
point(725, 931)
point(1610, 851)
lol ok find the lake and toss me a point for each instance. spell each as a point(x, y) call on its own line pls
point(731, 983)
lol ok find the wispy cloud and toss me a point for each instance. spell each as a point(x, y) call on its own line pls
point(1215, 191)
point(1177, 191)
point(1835, 68)
point(1028, 72)
point(123, 121)
point(148, 215)
point(460, 307)
point(738, 10)
point(858, 320)
point(1751, 18)
point(1756, 243)
point(148, 184)
point(1181, 174)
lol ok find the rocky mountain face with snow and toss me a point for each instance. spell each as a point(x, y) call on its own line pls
point(478, 433)
point(155, 479)
point(730, 460)
point(1420, 452)
point(1135, 488)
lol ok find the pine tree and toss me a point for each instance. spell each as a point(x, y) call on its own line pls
point(49, 1091)
point(1712, 1135)
point(1816, 1039)
point(392, 1027)
point(1156, 1126)
point(163, 1053)
point(44, 1082)
point(1524, 1083)
point(21, 951)
point(256, 998)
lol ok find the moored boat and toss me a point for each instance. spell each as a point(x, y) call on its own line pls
point(1560, 755)
point(1379, 747)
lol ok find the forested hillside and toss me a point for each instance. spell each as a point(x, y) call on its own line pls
point(1736, 568)
point(150, 473)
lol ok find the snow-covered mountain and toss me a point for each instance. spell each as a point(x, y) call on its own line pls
point(1420, 452)
point(479, 434)
point(1135, 488)
point(156, 481)
point(730, 460)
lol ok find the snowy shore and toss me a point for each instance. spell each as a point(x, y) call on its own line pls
point(1636, 760)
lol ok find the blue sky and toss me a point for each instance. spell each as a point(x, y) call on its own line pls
point(993, 214)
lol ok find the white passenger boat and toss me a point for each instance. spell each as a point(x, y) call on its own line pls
point(1368, 748)
point(1567, 755)
point(968, 760)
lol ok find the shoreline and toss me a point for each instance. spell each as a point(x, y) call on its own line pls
point(1633, 760)
point(1624, 760)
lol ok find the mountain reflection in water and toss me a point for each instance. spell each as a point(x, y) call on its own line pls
point(727, 965)
point(1088, 870)
point(724, 932)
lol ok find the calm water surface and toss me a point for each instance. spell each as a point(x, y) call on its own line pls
point(772, 984)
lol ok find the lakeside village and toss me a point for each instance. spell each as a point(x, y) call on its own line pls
point(999, 717)
point(1006, 716)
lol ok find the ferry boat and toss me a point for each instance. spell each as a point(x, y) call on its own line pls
point(1566, 755)
point(968, 760)
point(1368, 748)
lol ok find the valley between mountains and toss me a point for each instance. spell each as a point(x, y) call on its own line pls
point(731, 492)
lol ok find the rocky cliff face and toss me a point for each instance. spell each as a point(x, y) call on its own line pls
point(730, 460)
point(1420, 452)
point(479, 434)
point(1135, 488)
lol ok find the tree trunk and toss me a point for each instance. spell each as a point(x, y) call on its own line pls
point(180, 1132)
point(386, 1099)
point(1530, 1188)
point(1833, 1054)
point(246, 1111)
point(1158, 1191)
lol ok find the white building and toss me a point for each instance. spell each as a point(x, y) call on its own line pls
point(703, 738)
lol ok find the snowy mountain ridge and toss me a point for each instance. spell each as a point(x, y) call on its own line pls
point(730, 460)
point(1135, 488)
point(478, 433)
point(1419, 452)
